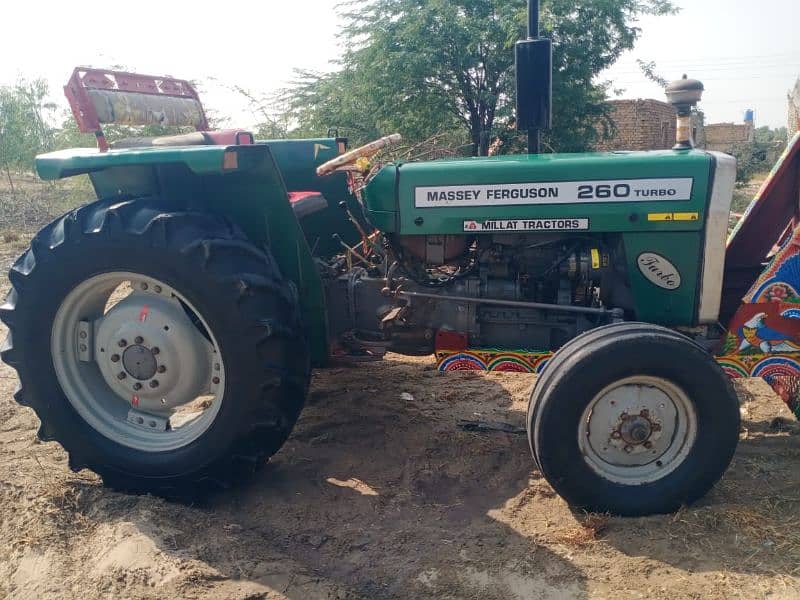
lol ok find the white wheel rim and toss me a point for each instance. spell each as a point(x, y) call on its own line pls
point(139, 371)
point(637, 430)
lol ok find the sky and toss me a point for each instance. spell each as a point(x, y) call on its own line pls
point(746, 53)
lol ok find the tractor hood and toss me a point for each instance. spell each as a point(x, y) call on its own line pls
point(668, 208)
point(607, 192)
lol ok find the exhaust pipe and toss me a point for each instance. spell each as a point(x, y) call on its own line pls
point(533, 58)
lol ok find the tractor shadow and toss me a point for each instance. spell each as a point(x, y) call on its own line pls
point(379, 493)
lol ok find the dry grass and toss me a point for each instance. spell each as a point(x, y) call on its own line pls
point(33, 203)
point(589, 530)
point(771, 531)
point(743, 194)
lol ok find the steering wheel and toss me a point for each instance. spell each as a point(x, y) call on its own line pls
point(353, 155)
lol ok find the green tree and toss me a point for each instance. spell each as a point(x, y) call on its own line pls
point(767, 135)
point(25, 128)
point(424, 66)
point(757, 156)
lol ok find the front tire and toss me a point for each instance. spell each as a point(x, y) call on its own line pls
point(632, 419)
point(231, 347)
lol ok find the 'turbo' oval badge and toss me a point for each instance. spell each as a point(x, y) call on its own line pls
point(658, 270)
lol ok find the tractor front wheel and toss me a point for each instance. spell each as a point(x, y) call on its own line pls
point(161, 349)
point(632, 419)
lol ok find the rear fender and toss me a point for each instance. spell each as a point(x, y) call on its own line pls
point(242, 183)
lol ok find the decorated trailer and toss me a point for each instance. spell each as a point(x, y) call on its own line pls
point(164, 333)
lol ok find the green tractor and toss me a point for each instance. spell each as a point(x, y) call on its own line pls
point(165, 333)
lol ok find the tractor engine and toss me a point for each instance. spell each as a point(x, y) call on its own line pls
point(547, 268)
point(531, 291)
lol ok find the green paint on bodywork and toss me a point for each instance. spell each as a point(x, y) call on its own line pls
point(390, 200)
point(65, 163)
point(393, 189)
point(298, 161)
point(255, 199)
point(252, 195)
point(657, 305)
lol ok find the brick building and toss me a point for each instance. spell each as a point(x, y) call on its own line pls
point(640, 125)
point(725, 137)
point(793, 98)
point(650, 125)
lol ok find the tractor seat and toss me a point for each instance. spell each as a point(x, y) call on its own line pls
point(307, 203)
point(222, 137)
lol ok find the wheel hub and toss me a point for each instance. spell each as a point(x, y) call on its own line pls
point(151, 354)
point(637, 429)
point(139, 362)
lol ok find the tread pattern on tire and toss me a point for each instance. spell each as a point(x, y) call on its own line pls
point(246, 277)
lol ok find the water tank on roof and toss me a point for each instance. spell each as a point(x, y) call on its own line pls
point(748, 115)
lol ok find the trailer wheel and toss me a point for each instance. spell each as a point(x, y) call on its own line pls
point(161, 349)
point(632, 419)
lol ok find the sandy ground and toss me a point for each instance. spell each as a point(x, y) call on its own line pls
point(380, 494)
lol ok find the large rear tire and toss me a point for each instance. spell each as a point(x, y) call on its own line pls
point(185, 384)
point(632, 419)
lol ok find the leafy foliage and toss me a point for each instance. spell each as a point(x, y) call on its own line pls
point(24, 128)
point(648, 69)
point(758, 156)
point(425, 66)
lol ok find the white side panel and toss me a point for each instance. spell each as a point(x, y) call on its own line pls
point(556, 192)
point(716, 233)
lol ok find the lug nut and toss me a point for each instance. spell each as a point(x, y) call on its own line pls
point(144, 286)
point(216, 366)
point(215, 380)
point(121, 375)
point(648, 444)
point(122, 343)
point(137, 386)
point(157, 289)
point(154, 383)
point(115, 358)
point(628, 449)
point(162, 369)
point(84, 347)
point(155, 350)
point(83, 335)
point(139, 339)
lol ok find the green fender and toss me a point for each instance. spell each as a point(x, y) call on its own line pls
point(242, 183)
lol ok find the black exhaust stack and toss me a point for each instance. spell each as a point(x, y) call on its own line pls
point(534, 66)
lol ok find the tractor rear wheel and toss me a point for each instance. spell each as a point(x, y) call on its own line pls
point(632, 419)
point(161, 349)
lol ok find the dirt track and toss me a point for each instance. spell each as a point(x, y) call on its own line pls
point(378, 496)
